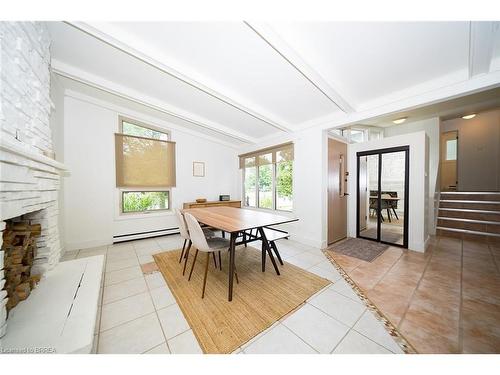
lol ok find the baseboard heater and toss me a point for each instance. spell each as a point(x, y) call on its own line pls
point(142, 235)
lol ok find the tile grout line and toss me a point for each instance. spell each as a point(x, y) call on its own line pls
point(403, 343)
point(390, 269)
point(296, 335)
point(349, 330)
point(159, 322)
point(416, 288)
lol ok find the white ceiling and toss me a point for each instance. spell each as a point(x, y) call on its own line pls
point(247, 81)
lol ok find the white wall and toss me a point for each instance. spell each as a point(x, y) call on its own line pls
point(431, 128)
point(478, 151)
point(91, 211)
point(309, 185)
point(418, 181)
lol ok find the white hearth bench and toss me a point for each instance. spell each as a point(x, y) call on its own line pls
point(60, 314)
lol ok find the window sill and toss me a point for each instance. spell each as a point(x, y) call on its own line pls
point(140, 216)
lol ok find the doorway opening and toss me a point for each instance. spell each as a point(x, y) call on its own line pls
point(382, 195)
point(449, 157)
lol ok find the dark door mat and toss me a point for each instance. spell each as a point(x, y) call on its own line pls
point(358, 248)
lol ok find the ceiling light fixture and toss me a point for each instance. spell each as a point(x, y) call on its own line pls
point(399, 120)
point(468, 117)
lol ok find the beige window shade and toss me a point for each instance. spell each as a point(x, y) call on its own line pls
point(144, 162)
point(275, 154)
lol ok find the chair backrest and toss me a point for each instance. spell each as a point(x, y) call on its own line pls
point(182, 224)
point(196, 233)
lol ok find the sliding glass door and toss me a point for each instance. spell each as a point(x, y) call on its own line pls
point(382, 197)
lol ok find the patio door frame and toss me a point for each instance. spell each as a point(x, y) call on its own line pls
point(380, 152)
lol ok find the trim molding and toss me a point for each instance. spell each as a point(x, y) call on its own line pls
point(102, 84)
point(139, 116)
point(123, 42)
point(276, 42)
point(471, 86)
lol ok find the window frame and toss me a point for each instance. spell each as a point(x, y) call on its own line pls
point(274, 192)
point(144, 189)
point(123, 191)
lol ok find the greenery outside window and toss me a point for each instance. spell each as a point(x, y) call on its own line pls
point(145, 199)
point(268, 178)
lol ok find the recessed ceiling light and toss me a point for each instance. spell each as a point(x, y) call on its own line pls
point(399, 120)
point(468, 117)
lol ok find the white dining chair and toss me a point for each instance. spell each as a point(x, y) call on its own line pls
point(184, 232)
point(204, 244)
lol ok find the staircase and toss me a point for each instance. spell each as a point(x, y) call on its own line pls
point(469, 215)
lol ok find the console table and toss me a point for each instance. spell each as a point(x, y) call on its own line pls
point(212, 204)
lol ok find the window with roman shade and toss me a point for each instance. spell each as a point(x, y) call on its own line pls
point(145, 167)
point(268, 177)
point(144, 162)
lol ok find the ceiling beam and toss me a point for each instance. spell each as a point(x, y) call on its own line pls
point(474, 85)
point(136, 48)
point(481, 43)
point(100, 83)
point(275, 41)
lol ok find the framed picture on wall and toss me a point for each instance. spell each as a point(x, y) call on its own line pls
point(198, 169)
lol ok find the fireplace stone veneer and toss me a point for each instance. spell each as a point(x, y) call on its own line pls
point(29, 178)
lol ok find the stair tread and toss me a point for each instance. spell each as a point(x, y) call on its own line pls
point(468, 201)
point(469, 220)
point(468, 231)
point(471, 192)
point(470, 210)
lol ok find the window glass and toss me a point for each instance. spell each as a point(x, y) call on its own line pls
point(451, 149)
point(250, 182)
point(284, 185)
point(357, 136)
point(268, 179)
point(266, 186)
point(140, 131)
point(141, 201)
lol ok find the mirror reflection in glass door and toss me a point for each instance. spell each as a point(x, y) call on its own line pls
point(368, 204)
point(383, 195)
point(392, 193)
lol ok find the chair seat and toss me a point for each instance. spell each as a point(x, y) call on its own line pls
point(216, 243)
point(274, 235)
point(208, 232)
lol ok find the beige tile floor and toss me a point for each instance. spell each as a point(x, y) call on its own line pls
point(138, 313)
point(444, 301)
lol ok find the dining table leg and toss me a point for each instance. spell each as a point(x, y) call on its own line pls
point(268, 249)
point(232, 251)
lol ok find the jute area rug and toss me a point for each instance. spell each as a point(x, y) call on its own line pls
point(359, 248)
point(259, 300)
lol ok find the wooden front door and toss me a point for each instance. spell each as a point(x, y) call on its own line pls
point(337, 186)
point(449, 156)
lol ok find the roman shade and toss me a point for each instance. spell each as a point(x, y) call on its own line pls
point(144, 162)
point(275, 154)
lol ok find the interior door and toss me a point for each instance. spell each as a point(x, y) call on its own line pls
point(363, 192)
point(382, 195)
point(449, 156)
point(337, 197)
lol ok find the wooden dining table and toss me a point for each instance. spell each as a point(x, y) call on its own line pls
point(235, 221)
